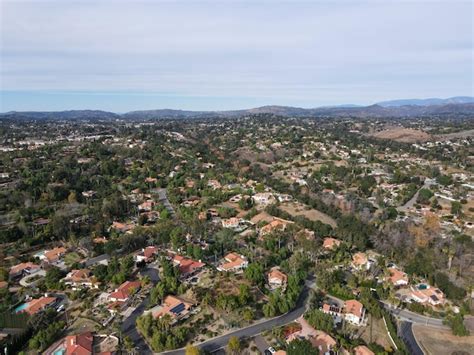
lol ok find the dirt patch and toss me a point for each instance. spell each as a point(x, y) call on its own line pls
point(299, 209)
point(379, 333)
point(439, 341)
point(406, 135)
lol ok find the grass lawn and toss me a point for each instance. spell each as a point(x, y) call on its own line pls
point(72, 258)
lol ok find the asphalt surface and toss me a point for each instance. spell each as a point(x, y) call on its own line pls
point(214, 344)
point(164, 200)
point(406, 334)
point(412, 317)
point(129, 328)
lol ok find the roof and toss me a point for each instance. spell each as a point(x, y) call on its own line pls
point(80, 344)
point(233, 260)
point(125, 289)
point(36, 305)
point(397, 275)
point(55, 253)
point(277, 223)
point(353, 307)
point(150, 251)
point(173, 306)
point(330, 243)
point(23, 266)
point(275, 273)
point(363, 350)
point(359, 259)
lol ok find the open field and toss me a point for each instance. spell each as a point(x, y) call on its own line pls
point(406, 135)
point(299, 209)
point(437, 341)
point(379, 333)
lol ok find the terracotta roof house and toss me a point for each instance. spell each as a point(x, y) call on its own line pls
point(187, 266)
point(81, 278)
point(331, 309)
point(232, 222)
point(23, 269)
point(276, 224)
point(319, 339)
point(39, 304)
point(360, 261)
point(146, 254)
point(3, 284)
point(175, 307)
point(397, 277)
point(53, 255)
point(354, 312)
point(124, 291)
point(363, 350)
point(331, 243)
point(122, 227)
point(276, 278)
point(81, 344)
point(146, 206)
point(424, 293)
point(234, 262)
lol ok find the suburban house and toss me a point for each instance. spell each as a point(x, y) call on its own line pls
point(233, 262)
point(331, 243)
point(146, 254)
point(79, 344)
point(214, 184)
point(231, 223)
point(397, 277)
point(81, 278)
point(122, 227)
point(354, 312)
point(146, 206)
point(263, 198)
point(175, 307)
point(276, 279)
point(37, 305)
point(277, 224)
point(424, 293)
point(23, 269)
point(363, 350)
point(318, 339)
point(187, 266)
point(360, 261)
point(52, 256)
point(124, 291)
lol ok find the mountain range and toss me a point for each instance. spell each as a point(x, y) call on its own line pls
point(460, 105)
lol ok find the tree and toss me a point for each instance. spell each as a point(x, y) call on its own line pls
point(456, 208)
point(254, 273)
point(424, 196)
point(301, 346)
point(233, 345)
point(320, 320)
point(456, 323)
point(192, 350)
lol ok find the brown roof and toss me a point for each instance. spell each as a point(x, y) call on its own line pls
point(353, 307)
point(330, 243)
point(363, 350)
point(36, 305)
point(23, 266)
point(55, 253)
point(79, 344)
point(359, 259)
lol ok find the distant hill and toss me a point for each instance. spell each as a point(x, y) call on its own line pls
point(428, 102)
point(397, 108)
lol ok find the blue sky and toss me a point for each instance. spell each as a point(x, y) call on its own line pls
point(128, 55)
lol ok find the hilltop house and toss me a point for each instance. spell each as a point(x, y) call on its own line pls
point(176, 307)
point(234, 263)
point(277, 279)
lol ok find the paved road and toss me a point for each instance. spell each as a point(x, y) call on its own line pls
point(164, 200)
point(411, 202)
point(128, 325)
point(217, 343)
point(406, 334)
point(407, 316)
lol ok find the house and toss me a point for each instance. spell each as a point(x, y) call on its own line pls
point(424, 293)
point(277, 279)
point(333, 310)
point(52, 256)
point(354, 312)
point(37, 305)
point(122, 227)
point(187, 266)
point(79, 344)
point(214, 184)
point(124, 291)
point(397, 277)
point(277, 224)
point(360, 261)
point(23, 269)
point(146, 255)
point(318, 339)
point(176, 307)
point(263, 198)
point(234, 262)
point(363, 350)
point(331, 243)
point(231, 223)
point(81, 278)
point(146, 206)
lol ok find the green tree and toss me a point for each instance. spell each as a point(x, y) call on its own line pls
point(301, 346)
point(234, 345)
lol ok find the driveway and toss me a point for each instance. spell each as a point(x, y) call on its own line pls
point(164, 200)
point(129, 328)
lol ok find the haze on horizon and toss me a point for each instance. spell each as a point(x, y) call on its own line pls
point(216, 55)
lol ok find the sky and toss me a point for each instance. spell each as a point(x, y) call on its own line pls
point(215, 55)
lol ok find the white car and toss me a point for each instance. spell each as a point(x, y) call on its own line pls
point(270, 350)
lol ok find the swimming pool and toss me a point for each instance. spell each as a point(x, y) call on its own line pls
point(59, 352)
point(21, 307)
point(422, 287)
